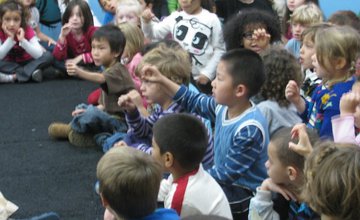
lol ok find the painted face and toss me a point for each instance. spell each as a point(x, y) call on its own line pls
point(250, 43)
point(222, 86)
point(293, 4)
point(127, 14)
point(101, 53)
point(190, 6)
point(297, 30)
point(12, 21)
point(307, 50)
point(76, 18)
point(109, 5)
point(275, 169)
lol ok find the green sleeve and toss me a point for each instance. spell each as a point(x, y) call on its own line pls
point(173, 5)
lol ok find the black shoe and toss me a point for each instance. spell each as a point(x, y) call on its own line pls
point(37, 75)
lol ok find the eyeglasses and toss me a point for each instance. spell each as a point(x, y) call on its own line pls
point(248, 35)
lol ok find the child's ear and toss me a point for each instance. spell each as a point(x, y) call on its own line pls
point(340, 63)
point(240, 90)
point(104, 202)
point(292, 173)
point(168, 159)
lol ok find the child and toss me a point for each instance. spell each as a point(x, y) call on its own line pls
point(336, 49)
point(74, 42)
point(190, 190)
point(241, 135)
point(141, 126)
point(301, 18)
point(33, 21)
point(254, 30)
point(107, 46)
point(128, 11)
point(21, 56)
point(286, 177)
point(198, 31)
point(343, 126)
point(307, 50)
point(129, 185)
point(291, 5)
point(333, 174)
point(280, 67)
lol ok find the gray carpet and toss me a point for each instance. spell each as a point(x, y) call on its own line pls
point(37, 173)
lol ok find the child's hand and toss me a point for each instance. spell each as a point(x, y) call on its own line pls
point(77, 112)
point(203, 80)
point(20, 34)
point(151, 74)
point(65, 30)
point(126, 102)
point(7, 31)
point(71, 68)
point(303, 147)
point(135, 98)
point(51, 42)
point(147, 15)
point(348, 103)
point(292, 92)
point(269, 185)
point(120, 144)
point(261, 36)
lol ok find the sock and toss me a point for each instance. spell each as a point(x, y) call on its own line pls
point(5, 78)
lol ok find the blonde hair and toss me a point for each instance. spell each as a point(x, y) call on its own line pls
point(333, 176)
point(134, 38)
point(337, 42)
point(135, 5)
point(307, 14)
point(129, 181)
point(174, 62)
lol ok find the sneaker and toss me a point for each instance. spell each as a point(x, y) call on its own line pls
point(81, 140)
point(59, 130)
point(37, 75)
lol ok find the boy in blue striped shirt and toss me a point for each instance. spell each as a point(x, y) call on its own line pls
point(241, 132)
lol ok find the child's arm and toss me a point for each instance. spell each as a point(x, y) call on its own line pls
point(261, 205)
point(44, 37)
point(199, 104)
point(60, 50)
point(303, 147)
point(246, 146)
point(292, 93)
point(155, 30)
point(343, 125)
point(73, 70)
point(32, 47)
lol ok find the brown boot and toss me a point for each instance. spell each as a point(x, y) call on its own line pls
point(58, 130)
point(81, 140)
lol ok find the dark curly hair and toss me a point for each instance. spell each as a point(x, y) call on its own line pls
point(235, 28)
point(280, 67)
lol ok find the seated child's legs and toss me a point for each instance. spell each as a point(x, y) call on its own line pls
point(239, 199)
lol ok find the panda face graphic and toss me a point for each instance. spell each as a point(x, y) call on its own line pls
point(192, 35)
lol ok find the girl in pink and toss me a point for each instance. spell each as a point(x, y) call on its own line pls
point(21, 56)
point(74, 42)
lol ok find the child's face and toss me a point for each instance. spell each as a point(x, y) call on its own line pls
point(76, 18)
point(306, 52)
point(109, 5)
point(223, 90)
point(127, 14)
point(156, 153)
point(275, 169)
point(321, 72)
point(293, 4)
point(12, 21)
point(250, 43)
point(152, 93)
point(27, 3)
point(297, 30)
point(101, 53)
point(190, 6)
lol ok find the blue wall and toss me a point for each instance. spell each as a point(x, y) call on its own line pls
point(330, 6)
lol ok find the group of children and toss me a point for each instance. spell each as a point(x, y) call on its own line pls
point(223, 154)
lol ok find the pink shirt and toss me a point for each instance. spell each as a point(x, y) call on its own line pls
point(344, 129)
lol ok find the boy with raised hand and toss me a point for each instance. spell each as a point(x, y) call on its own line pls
point(241, 135)
point(129, 183)
point(190, 190)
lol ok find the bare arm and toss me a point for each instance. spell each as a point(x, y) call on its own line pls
point(73, 70)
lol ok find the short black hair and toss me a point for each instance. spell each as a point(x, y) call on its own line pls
point(245, 67)
point(234, 29)
point(85, 11)
point(113, 35)
point(184, 136)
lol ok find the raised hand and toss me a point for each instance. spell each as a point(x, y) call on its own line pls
point(151, 74)
point(65, 30)
point(126, 102)
point(303, 147)
point(261, 36)
point(348, 103)
point(147, 15)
